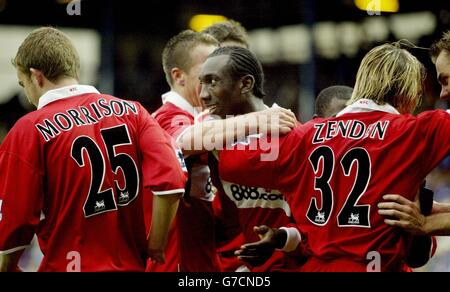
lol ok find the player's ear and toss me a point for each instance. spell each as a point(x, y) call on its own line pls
point(178, 76)
point(247, 84)
point(37, 77)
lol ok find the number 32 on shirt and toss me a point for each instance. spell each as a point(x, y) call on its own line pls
point(351, 214)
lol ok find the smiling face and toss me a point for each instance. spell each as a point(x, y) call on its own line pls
point(219, 91)
point(443, 73)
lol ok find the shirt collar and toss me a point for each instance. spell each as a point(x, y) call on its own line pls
point(177, 100)
point(367, 105)
point(64, 92)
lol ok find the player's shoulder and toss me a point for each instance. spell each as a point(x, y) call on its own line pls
point(28, 120)
point(169, 113)
point(421, 120)
point(169, 109)
point(109, 97)
point(434, 114)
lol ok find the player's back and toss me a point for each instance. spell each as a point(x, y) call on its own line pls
point(347, 164)
point(335, 171)
point(92, 192)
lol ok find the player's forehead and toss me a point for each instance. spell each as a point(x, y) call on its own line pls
point(443, 63)
point(215, 66)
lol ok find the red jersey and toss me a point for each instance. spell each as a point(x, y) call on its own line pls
point(74, 172)
point(335, 171)
point(257, 206)
point(192, 247)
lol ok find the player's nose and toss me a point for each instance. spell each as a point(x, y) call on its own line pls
point(445, 92)
point(204, 94)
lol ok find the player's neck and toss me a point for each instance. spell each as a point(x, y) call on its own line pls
point(192, 100)
point(61, 82)
point(254, 104)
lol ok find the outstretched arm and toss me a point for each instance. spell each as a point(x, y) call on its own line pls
point(409, 217)
point(216, 134)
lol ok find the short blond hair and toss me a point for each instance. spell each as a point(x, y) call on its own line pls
point(50, 51)
point(390, 74)
point(177, 52)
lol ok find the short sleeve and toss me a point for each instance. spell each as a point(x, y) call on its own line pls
point(163, 166)
point(259, 162)
point(21, 188)
point(175, 122)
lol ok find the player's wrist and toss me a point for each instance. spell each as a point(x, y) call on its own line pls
point(279, 238)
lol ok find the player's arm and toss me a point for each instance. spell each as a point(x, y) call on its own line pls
point(164, 172)
point(21, 196)
point(216, 134)
point(440, 208)
point(408, 216)
point(164, 211)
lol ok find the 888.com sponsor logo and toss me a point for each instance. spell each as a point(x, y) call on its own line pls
point(240, 193)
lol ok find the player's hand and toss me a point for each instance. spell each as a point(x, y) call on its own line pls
point(257, 253)
point(157, 256)
point(276, 120)
point(404, 213)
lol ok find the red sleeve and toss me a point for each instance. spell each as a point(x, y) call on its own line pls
point(173, 120)
point(164, 170)
point(437, 134)
point(243, 164)
point(21, 187)
point(262, 163)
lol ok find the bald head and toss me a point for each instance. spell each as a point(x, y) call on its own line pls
point(332, 100)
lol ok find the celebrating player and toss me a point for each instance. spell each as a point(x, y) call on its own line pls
point(75, 171)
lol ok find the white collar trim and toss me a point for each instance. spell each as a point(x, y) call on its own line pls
point(64, 92)
point(177, 100)
point(367, 105)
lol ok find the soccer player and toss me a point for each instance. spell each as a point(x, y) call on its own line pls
point(229, 236)
point(334, 171)
point(228, 33)
point(406, 212)
point(332, 100)
point(232, 84)
point(75, 170)
point(191, 244)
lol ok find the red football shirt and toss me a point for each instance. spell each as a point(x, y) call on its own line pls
point(82, 160)
point(258, 206)
point(335, 171)
point(191, 247)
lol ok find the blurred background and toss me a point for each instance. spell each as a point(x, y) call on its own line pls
point(304, 45)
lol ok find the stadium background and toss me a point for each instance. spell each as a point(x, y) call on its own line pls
point(304, 45)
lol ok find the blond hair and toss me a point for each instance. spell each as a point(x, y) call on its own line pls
point(50, 51)
point(177, 52)
point(390, 74)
